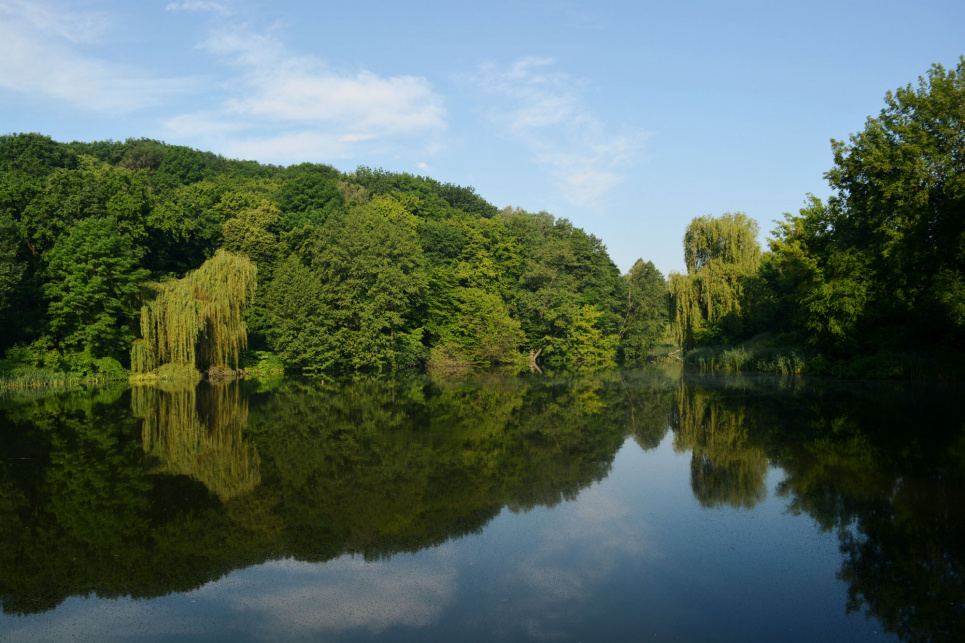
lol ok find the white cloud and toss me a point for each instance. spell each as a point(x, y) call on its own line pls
point(284, 107)
point(355, 594)
point(546, 113)
point(41, 51)
point(578, 553)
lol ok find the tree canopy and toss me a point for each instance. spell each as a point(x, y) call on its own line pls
point(364, 272)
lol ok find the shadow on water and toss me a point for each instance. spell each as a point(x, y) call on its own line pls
point(147, 491)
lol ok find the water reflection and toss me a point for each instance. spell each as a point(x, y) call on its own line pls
point(149, 491)
point(164, 490)
point(726, 468)
point(197, 432)
point(882, 465)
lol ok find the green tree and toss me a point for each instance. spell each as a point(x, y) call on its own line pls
point(646, 311)
point(299, 324)
point(370, 276)
point(11, 268)
point(707, 304)
point(197, 321)
point(93, 287)
point(902, 183)
point(882, 263)
point(481, 328)
point(563, 269)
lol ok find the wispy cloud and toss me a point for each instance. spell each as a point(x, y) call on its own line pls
point(42, 50)
point(282, 106)
point(356, 595)
point(197, 5)
point(577, 554)
point(546, 112)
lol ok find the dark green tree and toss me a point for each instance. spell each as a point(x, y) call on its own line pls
point(94, 281)
point(902, 183)
point(646, 311)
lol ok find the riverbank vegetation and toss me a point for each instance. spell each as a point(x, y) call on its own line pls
point(165, 262)
point(870, 282)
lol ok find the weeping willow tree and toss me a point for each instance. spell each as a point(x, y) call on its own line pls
point(706, 303)
point(196, 322)
point(197, 432)
point(724, 467)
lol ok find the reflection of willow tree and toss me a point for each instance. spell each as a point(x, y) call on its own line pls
point(197, 432)
point(725, 467)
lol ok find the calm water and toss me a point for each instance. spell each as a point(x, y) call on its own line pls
point(646, 505)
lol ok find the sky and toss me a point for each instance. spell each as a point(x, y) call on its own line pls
point(627, 118)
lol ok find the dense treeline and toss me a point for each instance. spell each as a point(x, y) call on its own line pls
point(859, 283)
point(103, 246)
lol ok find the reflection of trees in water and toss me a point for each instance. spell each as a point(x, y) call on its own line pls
point(880, 464)
point(896, 499)
point(726, 467)
point(197, 432)
point(377, 468)
point(113, 503)
point(649, 398)
point(73, 500)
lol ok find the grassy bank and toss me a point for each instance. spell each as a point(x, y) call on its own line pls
point(762, 355)
point(32, 377)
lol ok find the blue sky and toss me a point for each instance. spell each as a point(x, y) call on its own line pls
point(628, 118)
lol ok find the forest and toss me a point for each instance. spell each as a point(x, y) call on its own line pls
point(162, 261)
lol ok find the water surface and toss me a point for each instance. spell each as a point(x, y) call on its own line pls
point(600, 507)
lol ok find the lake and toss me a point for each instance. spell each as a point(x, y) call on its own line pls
point(651, 505)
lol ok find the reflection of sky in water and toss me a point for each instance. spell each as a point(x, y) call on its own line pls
point(635, 556)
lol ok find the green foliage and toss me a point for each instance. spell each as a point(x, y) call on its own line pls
point(298, 319)
point(481, 328)
point(93, 287)
point(34, 154)
point(366, 277)
point(197, 321)
point(309, 197)
point(249, 233)
point(646, 311)
point(881, 265)
point(374, 270)
point(12, 269)
point(707, 304)
point(379, 181)
point(564, 270)
point(584, 344)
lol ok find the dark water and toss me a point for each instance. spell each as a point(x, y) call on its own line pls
point(645, 505)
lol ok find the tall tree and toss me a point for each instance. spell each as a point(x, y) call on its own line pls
point(93, 287)
point(646, 311)
point(707, 303)
point(902, 180)
point(369, 275)
point(882, 263)
point(197, 321)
